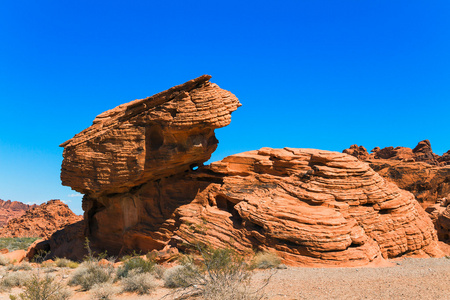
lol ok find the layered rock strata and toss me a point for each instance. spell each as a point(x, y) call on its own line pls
point(421, 153)
point(148, 139)
point(418, 170)
point(312, 207)
point(135, 165)
point(41, 221)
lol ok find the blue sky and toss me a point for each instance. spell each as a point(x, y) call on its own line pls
point(312, 74)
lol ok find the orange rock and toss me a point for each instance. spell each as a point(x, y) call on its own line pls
point(41, 221)
point(12, 209)
point(3, 251)
point(148, 139)
point(421, 172)
point(312, 207)
point(16, 256)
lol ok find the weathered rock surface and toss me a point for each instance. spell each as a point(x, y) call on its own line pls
point(41, 221)
point(420, 171)
point(421, 153)
point(312, 207)
point(12, 209)
point(148, 139)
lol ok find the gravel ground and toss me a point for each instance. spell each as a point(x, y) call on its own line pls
point(411, 278)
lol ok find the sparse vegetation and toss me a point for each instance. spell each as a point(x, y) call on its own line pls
point(13, 244)
point(138, 264)
point(65, 263)
point(265, 260)
point(4, 260)
point(46, 288)
point(104, 291)
point(141, 283)
point(90, 273)
point(23, 266)
point(222, 274)
point(14, 279)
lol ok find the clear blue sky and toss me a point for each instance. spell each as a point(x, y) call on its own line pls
point(313, 74)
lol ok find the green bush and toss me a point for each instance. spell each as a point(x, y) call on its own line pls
point(90, 273)
point(45, 288)
point(265, 260)
point(141, 283)
point(135, 263)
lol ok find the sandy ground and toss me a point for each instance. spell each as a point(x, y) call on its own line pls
point(411, 278)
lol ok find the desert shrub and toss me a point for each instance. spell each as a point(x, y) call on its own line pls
point(135, 263)
point(24, 266)
point(90, 273)
point(159, 271)
point(265, 260)
point(179, 276)
point(104, 291)
point(221, 275)
point(48, 264)
point(4, 260)
point(18, 243)
point(141, 283)
point(65, 263)
point(14, 279)
point(44, 288)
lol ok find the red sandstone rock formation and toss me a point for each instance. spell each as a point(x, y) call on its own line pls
point(148, 139)
point(419, 171)
point(134, 165)
point(421, 153)
point(41, 221)
point(12, 209)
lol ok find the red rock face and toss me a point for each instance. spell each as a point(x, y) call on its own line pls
point(148, 139)
point(12, 209)
point(134, 165)
point(312, 207)
point(420, 171)
point(421, 153)
point(41, 221)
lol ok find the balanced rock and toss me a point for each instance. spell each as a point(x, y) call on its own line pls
point(148, 139)
point(41, 221)
point(135, 165)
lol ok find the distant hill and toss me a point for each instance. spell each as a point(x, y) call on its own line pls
point(12, 209)
point(40, 221)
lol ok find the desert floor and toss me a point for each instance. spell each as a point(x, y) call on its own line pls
point(410, 278)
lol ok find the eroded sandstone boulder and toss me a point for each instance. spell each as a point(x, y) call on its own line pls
point(148, 139)
point(312, 207)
